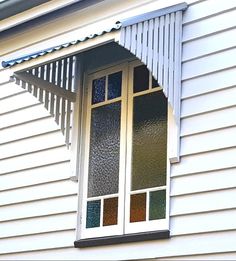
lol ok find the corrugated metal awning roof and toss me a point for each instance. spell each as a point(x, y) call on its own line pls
point(114, 27)
point(10, 63)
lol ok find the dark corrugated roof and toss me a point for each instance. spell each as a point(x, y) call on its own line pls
point(12, 7)
point(31, 56)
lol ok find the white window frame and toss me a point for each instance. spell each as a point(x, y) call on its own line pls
point(124, 226)
point(116, 229)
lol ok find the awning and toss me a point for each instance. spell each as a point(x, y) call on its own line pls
point(18, 60)
point(155, 38)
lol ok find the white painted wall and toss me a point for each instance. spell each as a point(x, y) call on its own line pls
point(38, 201)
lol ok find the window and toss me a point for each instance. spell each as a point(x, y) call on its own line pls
point(124, 159)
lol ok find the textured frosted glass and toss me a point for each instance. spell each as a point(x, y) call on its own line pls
point(93, 213)
point(157, 205)
point(104, 150)
point(110, 211)
point(141, 78)
point(149, 141)
point(138, 207)
point(114, 85)
point(98, 91)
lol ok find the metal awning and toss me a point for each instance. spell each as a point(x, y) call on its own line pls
point(155, 38)
point(18, 60)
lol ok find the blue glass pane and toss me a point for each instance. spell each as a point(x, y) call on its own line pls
point(98, 91)
point(114, 85)
point(104, 150)
point(157, 205)
point(93, 213)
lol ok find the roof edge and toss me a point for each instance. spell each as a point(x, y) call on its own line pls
point(157, 13)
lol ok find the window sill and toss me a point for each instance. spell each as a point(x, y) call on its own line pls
point(128, 238)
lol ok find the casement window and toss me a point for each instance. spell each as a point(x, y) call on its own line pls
point(124, 154)
point(126, 141)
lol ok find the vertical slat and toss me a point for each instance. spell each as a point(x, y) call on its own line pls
point(139, 40)
point(122, 36)
point(64, 74)
point(128, 37)
point(177, 63)
point(74, 72)
point(70, 73)
point(171, 59)
point(63, 101)
point(57, 113)
point(57, 110)
point(150, 45)
point(155, 47)
point(30, 85)
point(133, 38)
point(68, 112)
point(63, 111)
point(47, 77)
point(17, 81)
point(166, 55)
point(161, 51)
point(35, 73)
point(144, 42)
point(68, 107)
point(23, 84)
point(59, 65)
point(41, 90)
point(52, 98)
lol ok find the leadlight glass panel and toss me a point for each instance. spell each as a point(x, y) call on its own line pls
point(93, 213)
point(138, 207)
point(149, 141)
point(98, 90)
point(157, 205)
point(140, 79)
point(104, 150)
point(114, 85)
point(110, 211)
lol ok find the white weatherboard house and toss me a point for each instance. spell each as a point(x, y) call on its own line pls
point(117, 130)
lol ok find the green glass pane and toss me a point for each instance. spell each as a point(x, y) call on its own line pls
point(138, 207)
point(93, 213)
point(140, 79)
point(149, 141)
point(104, 150)
point(110, 211)
point(157, 205)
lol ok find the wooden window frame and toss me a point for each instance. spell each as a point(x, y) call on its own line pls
point(139, 231)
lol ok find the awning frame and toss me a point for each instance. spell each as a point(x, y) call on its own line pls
point(155, 38)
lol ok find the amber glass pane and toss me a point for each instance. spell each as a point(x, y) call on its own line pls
point(157, 205)
point(149, 141)
point(104, 154)
point(141, 78)
point(93, 214)
point(138, 207)
point(110, 211)
point(98, 91)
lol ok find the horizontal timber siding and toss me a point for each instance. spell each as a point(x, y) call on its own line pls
point(39, 201)
point(37, 197)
